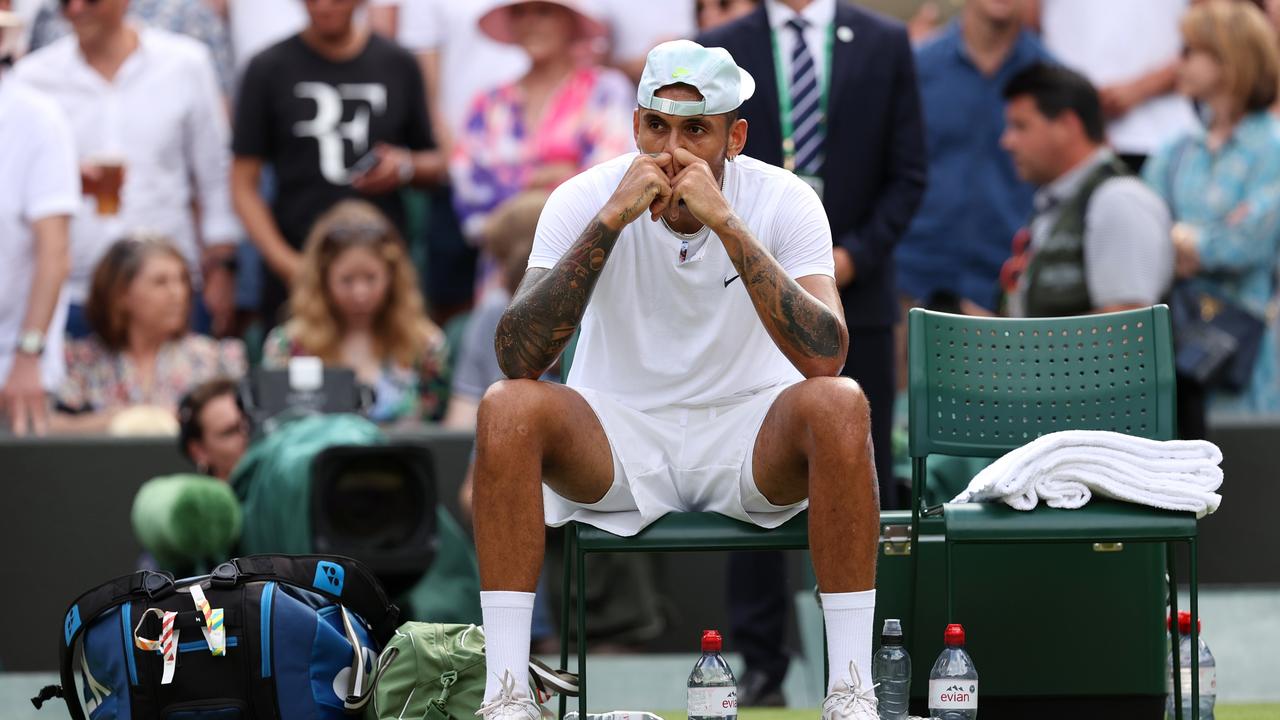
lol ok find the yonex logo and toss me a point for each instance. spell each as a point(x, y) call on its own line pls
point(71, 623)
point(330, 577)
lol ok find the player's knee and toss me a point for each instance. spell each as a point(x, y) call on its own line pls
point(835, 404)
point(510, 406)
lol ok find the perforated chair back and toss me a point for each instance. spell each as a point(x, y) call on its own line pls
point(984, 386)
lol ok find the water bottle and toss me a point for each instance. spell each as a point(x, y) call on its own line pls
point(713, 691)
point(1208, 673)
point(953, 682)
point(891, 672)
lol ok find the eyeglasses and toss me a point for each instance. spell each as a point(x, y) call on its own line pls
point(65, 3)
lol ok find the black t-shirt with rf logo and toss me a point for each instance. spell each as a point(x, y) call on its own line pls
point(312, 119)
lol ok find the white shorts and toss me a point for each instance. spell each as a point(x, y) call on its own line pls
point(676, 460)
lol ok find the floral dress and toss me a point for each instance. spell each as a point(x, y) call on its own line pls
point(399, 393)
point(101, 379)
point(1231, 196)
point(587, 120)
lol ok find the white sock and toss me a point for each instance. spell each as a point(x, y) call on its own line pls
point(849, 618)
point(508, 621)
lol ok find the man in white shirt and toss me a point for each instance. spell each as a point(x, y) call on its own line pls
point(1129, 51)
point(151, 99)
point(39, 191)
point(705, 378)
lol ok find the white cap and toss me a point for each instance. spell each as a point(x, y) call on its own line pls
point(712, 71)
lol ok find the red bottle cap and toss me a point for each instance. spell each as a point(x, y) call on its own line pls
point(1184, 623)
point(954, 636)
point(711, 641)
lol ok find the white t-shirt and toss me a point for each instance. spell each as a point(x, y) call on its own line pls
point(163, 113)
point(39, 178)
point(659, 332)
point(1111, 42)
point(470, 62)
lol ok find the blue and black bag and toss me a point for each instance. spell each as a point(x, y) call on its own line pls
point(297, 638)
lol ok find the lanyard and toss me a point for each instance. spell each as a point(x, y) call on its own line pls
point(784, 96)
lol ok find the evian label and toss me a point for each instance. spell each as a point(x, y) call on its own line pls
point(713, 702)
point(953, 694)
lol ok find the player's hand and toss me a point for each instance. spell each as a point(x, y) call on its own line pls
point(645, 186)
point(697, 188)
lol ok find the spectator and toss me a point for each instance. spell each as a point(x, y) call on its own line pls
point(141, 352)
point(536, 132)
point(357, 304)
point(193, 18)
point(714, 13)
point(975, 201)
point(39, 191)
point(849, 95)
point(214, 432)
point(1129, 51)
point(509, 238)
point(1223, 183)
point(1099, 240)
point(339, 113)
point(458, 61)
point(148, 100)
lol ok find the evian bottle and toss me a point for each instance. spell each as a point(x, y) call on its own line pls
point(713, 691)
point(953, 683)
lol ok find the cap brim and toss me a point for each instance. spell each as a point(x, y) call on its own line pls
point(746, 86)
point(497, 23)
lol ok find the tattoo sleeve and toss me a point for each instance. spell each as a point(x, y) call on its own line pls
point(809, 333)
point(549, 304)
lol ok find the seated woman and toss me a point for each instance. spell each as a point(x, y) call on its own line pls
point(357, 305)
point(560, 118)
point(141, 352)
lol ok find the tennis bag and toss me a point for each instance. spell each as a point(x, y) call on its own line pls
point(263, 637)
point(436, 671)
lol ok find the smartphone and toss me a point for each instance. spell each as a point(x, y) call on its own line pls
point(364, 164)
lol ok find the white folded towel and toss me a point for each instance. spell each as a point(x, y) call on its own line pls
point(1065, 469)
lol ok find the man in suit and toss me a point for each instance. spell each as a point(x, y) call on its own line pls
point(836, 102)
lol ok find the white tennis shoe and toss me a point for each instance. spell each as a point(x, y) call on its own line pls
point(508, 705)
point(849, 700)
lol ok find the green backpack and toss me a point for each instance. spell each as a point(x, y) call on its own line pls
point(436, 671)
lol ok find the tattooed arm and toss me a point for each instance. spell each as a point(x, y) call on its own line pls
point(549, 304)
point(804, 317)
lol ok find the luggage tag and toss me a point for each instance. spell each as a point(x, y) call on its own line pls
point(215, 635)
point(167, 643)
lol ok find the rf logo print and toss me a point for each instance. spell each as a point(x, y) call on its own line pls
point(331, 131)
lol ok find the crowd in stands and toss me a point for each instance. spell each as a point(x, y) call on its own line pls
point(189, 188)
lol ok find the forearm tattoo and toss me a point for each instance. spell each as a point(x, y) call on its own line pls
point(549, 305)
point(799, 322)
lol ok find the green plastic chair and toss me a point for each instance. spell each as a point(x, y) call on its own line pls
point(677, 532)
point(980, 387)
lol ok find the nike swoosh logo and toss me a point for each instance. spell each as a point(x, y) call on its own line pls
point(726, 282)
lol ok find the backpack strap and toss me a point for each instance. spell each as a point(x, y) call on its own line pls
point(92, 603)
point(342, 579)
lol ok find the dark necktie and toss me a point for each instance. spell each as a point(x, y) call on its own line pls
point(806, 107)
